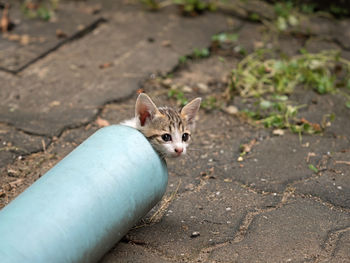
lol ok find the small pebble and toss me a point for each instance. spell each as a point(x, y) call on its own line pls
point(203, 87)
point(240, 159)
point(278, 132)
point(167, 82)
point(186, 89)
point(231, 110)
point(339, 187)
point(195, 234)
point(203, 156)
point(228, 208)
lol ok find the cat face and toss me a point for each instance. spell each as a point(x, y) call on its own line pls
point(169, 131)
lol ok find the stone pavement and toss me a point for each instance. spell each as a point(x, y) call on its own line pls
point(268, 208)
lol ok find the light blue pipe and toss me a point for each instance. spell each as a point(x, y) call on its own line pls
point(86, 203)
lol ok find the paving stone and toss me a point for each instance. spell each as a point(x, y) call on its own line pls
point(318, 106)
point(342, 33)
point(249, 36)
point(5, 159)
point(14, 143)
point(286, 163)
point(332, 185)
point(318, 25)
point(215, 210)
point(292, 233)
point(20, 142)
point(41, 37)
point(130, 253)
point(211, 72)
point(315, 45)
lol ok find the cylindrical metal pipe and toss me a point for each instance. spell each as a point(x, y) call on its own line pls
point(80, 208)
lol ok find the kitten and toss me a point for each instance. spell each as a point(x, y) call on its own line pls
point(168, 130)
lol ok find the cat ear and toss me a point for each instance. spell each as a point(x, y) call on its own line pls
point(145, 108)
point(190, 110)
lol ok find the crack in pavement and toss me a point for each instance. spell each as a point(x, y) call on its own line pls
point(330, 244)
point(77, 35)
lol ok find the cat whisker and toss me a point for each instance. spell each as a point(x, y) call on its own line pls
point(194, 149)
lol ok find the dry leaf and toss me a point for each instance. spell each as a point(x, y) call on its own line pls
point(54, 103)
point(102, 122)
point(14, 37)
point(342, 162)
point(60, 33)
point(24, 40)
point(5, 20)
point(105, 65)
point(139, 91)
point(16, 183)
point(247, 147)
point(310, 154)
point(166, 43)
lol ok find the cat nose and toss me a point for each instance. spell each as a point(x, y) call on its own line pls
point(179, 150)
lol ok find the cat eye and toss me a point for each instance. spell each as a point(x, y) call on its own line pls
point(166, 137)
point(185, 136)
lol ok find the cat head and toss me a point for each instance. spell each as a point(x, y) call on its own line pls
point(169, 131)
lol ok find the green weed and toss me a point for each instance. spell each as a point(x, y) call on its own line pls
point(210, 103)
point(151, 4)
point(281, 114)
point(178, 95)
point(256, 74)
point(201, 53)
point(287, 15)
point(188, 7)
point(195, 6)
point(254, 17)
point(225, 37)
point(313, 168)
point(44, 10)
point(269, 81)
point(183, 59)
point(197, 53)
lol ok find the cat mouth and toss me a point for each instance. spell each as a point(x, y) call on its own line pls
point(176, 155)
